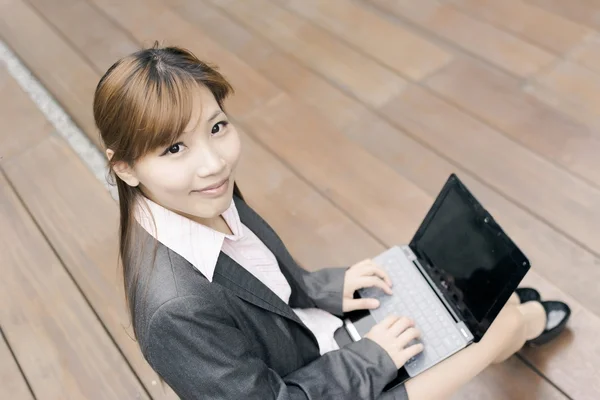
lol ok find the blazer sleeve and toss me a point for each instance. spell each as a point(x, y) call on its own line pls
point(201, 354)
point(325, 287)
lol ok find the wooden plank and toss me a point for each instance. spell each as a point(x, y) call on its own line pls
point(240, 41)
point(43, 311)
point(581, 11)
point(543, 28)
point(89, 247)
point(86, 28)
point(505, 382)
point(570, 88)
point(47, 60)
point(412, 56)
point(341, 110)
point(313, 228)
point(14, 385)
point(588, 53)
point(282, 70)
point(324, 52)
point(519, 174)
point(573, 361)
point(497, 99)
point(147, 20)
point(355, 180)
point(472, 35)
point(23, 124)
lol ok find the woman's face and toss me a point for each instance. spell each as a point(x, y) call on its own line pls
point(194, 177)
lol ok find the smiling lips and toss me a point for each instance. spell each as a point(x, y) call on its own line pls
point(214, 190)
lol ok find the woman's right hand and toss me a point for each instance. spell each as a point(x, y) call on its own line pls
point(393, 334)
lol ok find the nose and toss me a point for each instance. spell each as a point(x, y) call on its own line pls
point(210, 163)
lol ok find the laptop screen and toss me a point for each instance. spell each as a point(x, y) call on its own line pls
point(467, 254)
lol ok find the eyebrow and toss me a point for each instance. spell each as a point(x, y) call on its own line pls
point(215, 115)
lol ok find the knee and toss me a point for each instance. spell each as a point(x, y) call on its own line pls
point(507, 327)
point(512, 318)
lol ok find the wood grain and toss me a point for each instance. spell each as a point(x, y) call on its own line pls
point(61, 346)
point(573, 361)
point(581, 11)
point(498, 100)
point(496, 46)
point(89, 248)
point(411, 55)
point(340, 63)
point(85, 28)
point(14, 385)
point(529, 180)
point(23, 125)
point(147, 21)
point(571, 89)
point(546, 29)
point(48, 58)
point(587, 54)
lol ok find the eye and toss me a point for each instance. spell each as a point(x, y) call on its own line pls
point(218, 127)
point(174, 149)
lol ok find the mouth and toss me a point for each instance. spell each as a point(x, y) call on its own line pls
point(216, 189)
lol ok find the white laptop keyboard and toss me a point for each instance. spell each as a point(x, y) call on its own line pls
point(415, 299)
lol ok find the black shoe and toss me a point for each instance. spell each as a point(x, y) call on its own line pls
point(528, 294)
point(557, 315)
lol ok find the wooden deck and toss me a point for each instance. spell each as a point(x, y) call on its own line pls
point(353, 113)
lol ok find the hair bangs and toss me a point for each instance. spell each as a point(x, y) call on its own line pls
point(164, 110)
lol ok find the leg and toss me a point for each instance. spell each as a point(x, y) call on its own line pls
point(515, 324)
point(514, 299)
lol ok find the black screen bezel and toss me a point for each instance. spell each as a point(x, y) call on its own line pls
point(477, 327)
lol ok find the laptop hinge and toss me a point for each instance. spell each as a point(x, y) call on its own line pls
point(413, 257)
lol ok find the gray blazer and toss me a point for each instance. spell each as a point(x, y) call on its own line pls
point(236, 339)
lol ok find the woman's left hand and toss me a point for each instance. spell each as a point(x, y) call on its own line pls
point(364, 274)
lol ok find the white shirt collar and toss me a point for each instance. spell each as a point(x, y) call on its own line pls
point(197, 243)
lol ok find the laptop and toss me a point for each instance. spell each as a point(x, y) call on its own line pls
point(454, 277)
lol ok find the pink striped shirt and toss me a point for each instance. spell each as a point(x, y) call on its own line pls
point(201, 246)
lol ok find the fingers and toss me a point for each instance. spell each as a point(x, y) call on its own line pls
point(407, 336)
point(373, 269)
point(368, 267)
point(361, 304)
point(388, 321)
point(401, 325)
point(370, 281)
point(410, 352)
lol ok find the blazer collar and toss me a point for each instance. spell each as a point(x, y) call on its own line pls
point(236, 278)
point(198, 244)
point(201, 247)
point(233, 276)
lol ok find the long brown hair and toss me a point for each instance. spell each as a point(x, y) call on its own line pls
point(144, 101)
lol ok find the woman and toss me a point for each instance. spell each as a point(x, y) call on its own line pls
point(219, 307)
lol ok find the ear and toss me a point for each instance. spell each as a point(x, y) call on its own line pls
point(123, 170)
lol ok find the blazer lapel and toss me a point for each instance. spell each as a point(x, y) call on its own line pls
point(270, 238)
point(233, 276)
